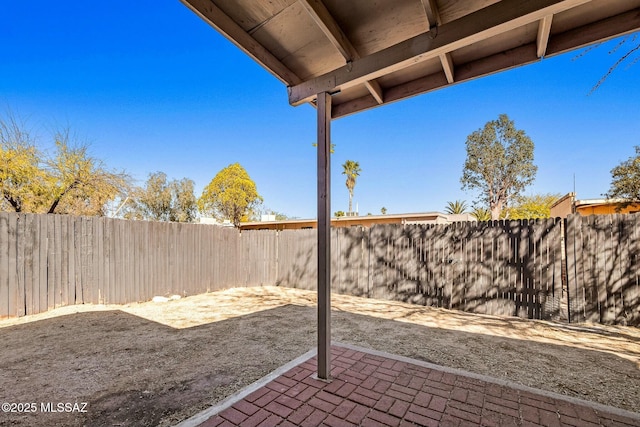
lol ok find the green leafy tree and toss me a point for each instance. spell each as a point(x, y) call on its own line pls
point(625, 180)
point(383, 210)
point(339, 214)
point(352, 170)
point(279, 216)
point(231, 194)
point(162, 200)
point(481, 214)
point(185, 202)
point(532, 207)
point(499, 163)
point(21, 176)
point(79, 184)
point(70, 181)
point(456, 208)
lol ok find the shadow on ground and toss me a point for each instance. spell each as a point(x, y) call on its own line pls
point(136, 372)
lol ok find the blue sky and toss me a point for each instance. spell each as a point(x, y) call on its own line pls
point(152, 88)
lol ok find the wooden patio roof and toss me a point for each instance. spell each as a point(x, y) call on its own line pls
point(368, 53)
point(345, 56)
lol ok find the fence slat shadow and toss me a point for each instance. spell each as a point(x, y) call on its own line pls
point(98, 356)
point(512, 268)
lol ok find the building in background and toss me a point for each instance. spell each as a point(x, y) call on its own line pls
point(362, 221)
point(568, 205)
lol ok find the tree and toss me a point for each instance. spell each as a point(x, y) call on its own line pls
point(185, 203)
point(632, 44)
point(456, 208)
point(339, 214)
point(279, 216)
point(231, 194)
point(78, 184)
point(532, 207)
point(625, 180)
point(69, 181)
point(352, 170)
point(21, 177)
point(481, 214)
point(383, 210)
point(162, 200)
point(499, 163)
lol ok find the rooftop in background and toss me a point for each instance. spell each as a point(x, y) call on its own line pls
point(362, 221)
point(368, 56)
point(568, 204)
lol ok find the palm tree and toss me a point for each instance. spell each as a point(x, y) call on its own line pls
point(456, 208)
point(481, 214)
point(352, 170)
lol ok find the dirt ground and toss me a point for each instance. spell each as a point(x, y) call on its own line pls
point(160, 363)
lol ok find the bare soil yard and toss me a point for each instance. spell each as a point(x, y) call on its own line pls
point(159, 363)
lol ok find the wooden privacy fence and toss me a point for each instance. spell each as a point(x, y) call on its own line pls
point(583, 269)
point(513, 268)
point(48, 261)
point(504, 268)
point(603, 268)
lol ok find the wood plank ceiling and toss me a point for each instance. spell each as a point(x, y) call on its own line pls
point(371, 52)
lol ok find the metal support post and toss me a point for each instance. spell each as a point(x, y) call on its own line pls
point(324, 236)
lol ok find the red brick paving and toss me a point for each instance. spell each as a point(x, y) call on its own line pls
point(372, 390)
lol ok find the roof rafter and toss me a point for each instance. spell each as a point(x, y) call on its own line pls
point(433, 20)
point(375, 90)
point(544, 29)
point(487, 22)
point(624, 23)
point(219, 20)
point(447, 66)
point(431, 10)
point(614, 26)
point(323, 18)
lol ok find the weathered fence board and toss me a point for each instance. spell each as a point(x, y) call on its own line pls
point(297, 259)
point(29, 278)
point(509, 268)
point(12, 267)
point(5, 237)
point(603, 270)
point(47, 261)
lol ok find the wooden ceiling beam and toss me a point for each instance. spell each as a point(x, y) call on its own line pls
point(544, 29)
point(432, 13)
point(323, 19)
point(447, 66)
point(375, 90)
point(496, 19)
point(615, 26)
point(605, 29)
point(327, 23)
point(433, 20)
point(219, 20)
point(465, 72)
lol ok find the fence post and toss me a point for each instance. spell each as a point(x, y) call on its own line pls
point(564, 273)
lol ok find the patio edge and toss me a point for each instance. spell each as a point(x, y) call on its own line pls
point(575, 400)
point(229, 401)
point(203, 416)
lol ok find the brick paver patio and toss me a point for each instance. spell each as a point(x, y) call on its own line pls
point(376, 389)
